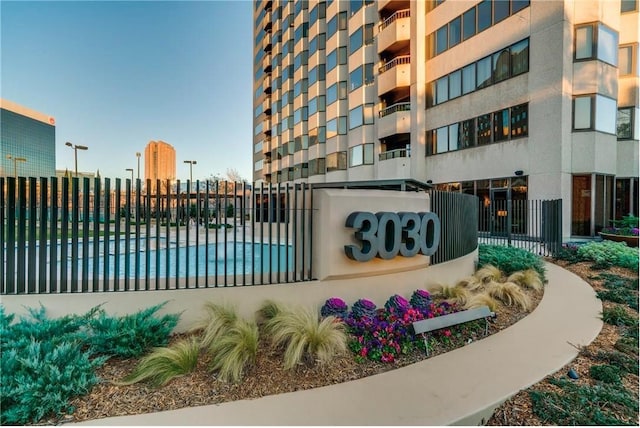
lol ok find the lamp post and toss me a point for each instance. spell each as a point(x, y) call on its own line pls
point(138, 154)
point(75, 148)
point(131, 171)
point(15, 164)
point(191, 164)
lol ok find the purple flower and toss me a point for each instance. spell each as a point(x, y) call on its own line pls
point(335, 307)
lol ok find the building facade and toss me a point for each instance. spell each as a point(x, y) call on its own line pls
point(159, 164)
point(28, 140)
point(504, 99)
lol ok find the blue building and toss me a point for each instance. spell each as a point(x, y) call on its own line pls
point(27, 144)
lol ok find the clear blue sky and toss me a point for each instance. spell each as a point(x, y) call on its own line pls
point(118, 74)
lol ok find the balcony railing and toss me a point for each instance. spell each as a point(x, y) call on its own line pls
point(399, 60)
point(397, 153)
point(394, 108)
point(406, 13)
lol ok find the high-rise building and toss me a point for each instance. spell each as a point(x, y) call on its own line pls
point(28, 142)
point(159, 164)
point(503, 99)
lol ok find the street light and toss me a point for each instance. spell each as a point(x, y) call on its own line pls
point(138, 154)
point(15, 164)
point(75, 148)
point(131, 171)
point(191, 164)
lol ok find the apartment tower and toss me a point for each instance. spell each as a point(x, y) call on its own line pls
point(503, 99)
point(159, 164)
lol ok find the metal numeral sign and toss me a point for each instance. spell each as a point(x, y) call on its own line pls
point(387, 234)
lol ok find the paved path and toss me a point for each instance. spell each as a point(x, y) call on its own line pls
point(460, 387)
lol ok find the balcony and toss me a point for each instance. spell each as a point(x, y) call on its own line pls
point(395, 119)
point(266, 84)
point(266, 22)
point(395, 32)
point(391, 5)
point(394, 75)
point(393, 154)
point(268, 5)
point(266, 44)
point(266, 64)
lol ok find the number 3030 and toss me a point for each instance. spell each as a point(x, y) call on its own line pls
point(387, 234)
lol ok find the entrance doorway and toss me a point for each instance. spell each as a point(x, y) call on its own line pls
point(499, 212)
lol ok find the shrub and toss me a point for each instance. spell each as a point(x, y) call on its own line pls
point(130, 335)
point(526, 278)
point(509, 294)
point(334, 307)
point(620, 295)
point(471, 283)
point(305, 337)
point(268, 310)
point(482, 299)
point(510, 259)
point(235, 350)
point(619, 360)
point(608, 253)
point(605, 373)
point(39, 379)
point(165, 364)
point(220, 317)
point(618, 316)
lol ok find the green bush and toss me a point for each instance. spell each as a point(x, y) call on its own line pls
point(620, 295)
point(130, 335)
point(619, 360)
point(618, 316)
point(606, 254)
point(510, 259)
point(605, 373)
point(235, 351)
point(576, 404)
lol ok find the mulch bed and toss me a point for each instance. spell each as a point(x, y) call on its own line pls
point(518, 410)
point(266, 377)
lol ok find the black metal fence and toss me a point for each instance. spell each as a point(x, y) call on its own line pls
point(458, 215)
point(533, 225)
point(73, 235)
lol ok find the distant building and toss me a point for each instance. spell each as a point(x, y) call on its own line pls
point(159, 164)
point(28, 140)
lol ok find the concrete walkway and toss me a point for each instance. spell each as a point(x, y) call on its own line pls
point(461, 387)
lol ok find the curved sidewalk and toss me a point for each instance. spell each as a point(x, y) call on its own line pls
point(460, 387)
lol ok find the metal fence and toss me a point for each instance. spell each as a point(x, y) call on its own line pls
point(66, 235)
point(458, 215)
point(533, 225)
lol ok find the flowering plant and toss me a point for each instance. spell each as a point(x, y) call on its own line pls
point(398, 304)
point(628, 226)
point(363, 308)
point(334, 306)
point(420, 299)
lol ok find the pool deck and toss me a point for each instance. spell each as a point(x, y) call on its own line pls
point(461, 387)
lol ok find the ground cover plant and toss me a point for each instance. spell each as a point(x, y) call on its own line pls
point(605, 388)
point(510, 259)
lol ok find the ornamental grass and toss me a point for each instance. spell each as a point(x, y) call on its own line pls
point(510, 294)
point(456, 294)
point(268, 310)
point(481, 299)
point(165, 364)
point(220, 317)
point(471, 283)
point(488, 273)
point(305, 337)
point(234, 351)
point(527, 278)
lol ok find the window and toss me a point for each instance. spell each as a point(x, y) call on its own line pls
point(628, 6)
point(484, 15)
point(300, 87)
point(313, 106)
point(469, 24)
point(501, 66)
point(361, 115)
point(361, 155)
point(484, 129)
point(501, 125)
point(355, 41)
point(590, 36)
point(441, 40)
point(483, 72)
point(520, 121)
point(332, 60)
point(337, 126)
point(606, 112)
point(300, 60)
point(368, 73)
point(520, 57)
point(500, 10)
point(442, 139)
point(300, 32)
point(468, 134)
point(318, 12)
point(317, 166)
point(301, 143)
point(317, 136)
point(368, 34)
point(258, 147)
point(624, 123)
point(342, 55)
point(454, 32)
point(317, 43)
point(332, 26)
point(258, 165)
point(455, 84)
point(518, 5)
point(454, 137)
point(469, 78)
point(442, 89)
point(336, 161)
point(354, 6)
point(625, 61)
point(336, 91)
point(355, 79)
point(582, 112)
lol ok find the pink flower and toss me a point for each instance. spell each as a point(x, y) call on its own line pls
point(447, 333)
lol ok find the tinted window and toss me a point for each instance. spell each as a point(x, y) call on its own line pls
point(517, 5)
point(484, 129)
point(484, 15)
point(455, 84)
point(454, 32)
point(500, 10)
point(355, 41)
point(501, 125)
point(519, 121)
point(469, 78)
point(441, 40)
point(483, 72)
point(520, 57)
point(501, 66)
point(469, 23)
